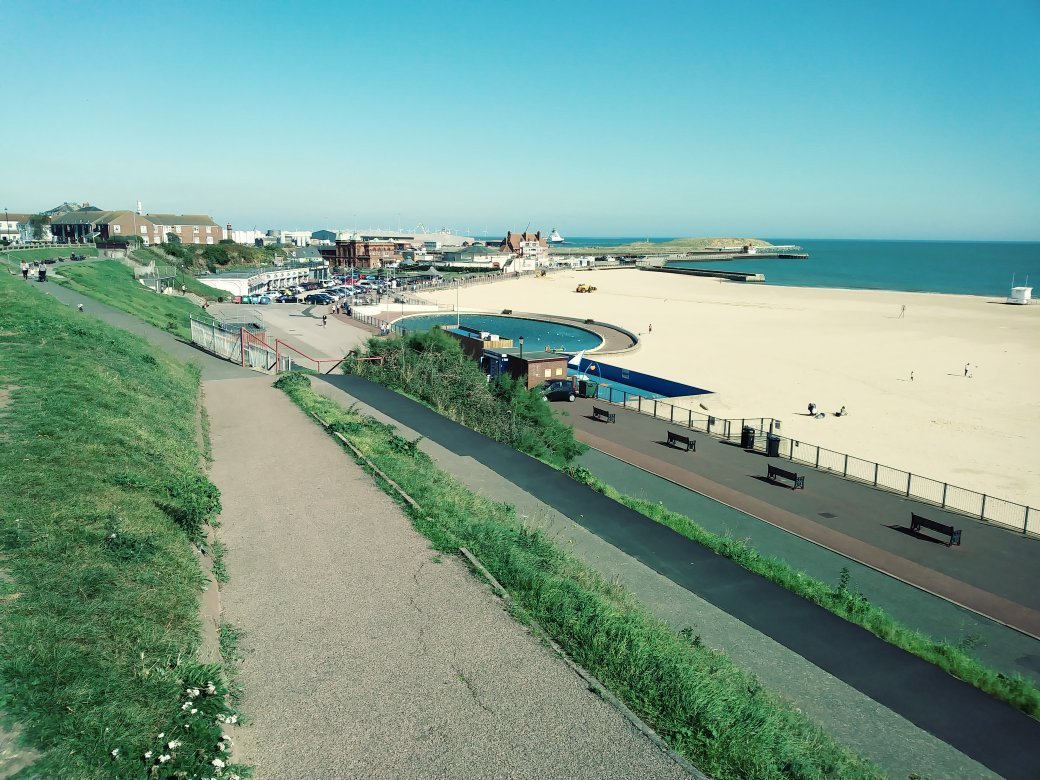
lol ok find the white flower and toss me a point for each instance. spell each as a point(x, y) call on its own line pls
point(148, 754)
point(194, 711)
point(225, 737)
point(211, 688)
point(185, 705)
point(173, 744)
point(218, 763)
point(220, 747)
point(164, 758)
point(115, 752)
point(233, 719)
point(161, 735)
point(187, 726)
point(220, 718)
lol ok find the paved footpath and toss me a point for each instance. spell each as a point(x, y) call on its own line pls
point(366, 654)
point(903, 713)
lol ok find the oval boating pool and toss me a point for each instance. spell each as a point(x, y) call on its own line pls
point(538, 334)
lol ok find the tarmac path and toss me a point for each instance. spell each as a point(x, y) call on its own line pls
point(365, 653)
point(987, 731)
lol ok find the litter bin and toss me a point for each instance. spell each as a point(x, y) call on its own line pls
point(587, 389)
point(772, 446)
point(747, 437)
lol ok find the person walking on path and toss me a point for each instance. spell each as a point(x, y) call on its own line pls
point(812, 409)
point(42, 273)
point(184, 290)
point(902, 311)
point(25, 270)
point(966, 366)
point(651, 328)
point(324, 320)
point(911, 376)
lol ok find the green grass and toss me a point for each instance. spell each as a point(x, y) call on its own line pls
point(111, 282)
point(718, 716)
point(102, 496)
point(148, 254)
point(16, 256)
point(842, 600)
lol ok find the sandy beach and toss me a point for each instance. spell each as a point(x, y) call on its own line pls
point(769, 351)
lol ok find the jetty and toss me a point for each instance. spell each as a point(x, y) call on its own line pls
point(733, 276)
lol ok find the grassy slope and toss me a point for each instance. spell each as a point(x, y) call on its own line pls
point(42, 253)
point(152, 255)
point(111, 282)
point(716, 715)
point(101, 486)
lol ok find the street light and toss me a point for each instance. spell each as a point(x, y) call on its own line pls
point(521, 347)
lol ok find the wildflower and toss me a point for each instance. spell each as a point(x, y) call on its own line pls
point(185, 705)
point(221, 718)
point(225, 737)
point(148, 754)
point(218, 763)
point(187, 726)
point(173, 744)
point(193, 711)
point(161, 735)
point(221, 747)
point(164, 758)
point(210, 688)
point(233, 719)
point(115, 752)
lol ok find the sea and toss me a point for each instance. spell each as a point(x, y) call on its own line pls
point(988, 268)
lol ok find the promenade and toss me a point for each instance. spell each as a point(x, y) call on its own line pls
point(900, 711)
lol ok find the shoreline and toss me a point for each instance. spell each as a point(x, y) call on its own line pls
point(768, 350)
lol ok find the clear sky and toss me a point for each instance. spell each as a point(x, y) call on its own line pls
point(816, 119)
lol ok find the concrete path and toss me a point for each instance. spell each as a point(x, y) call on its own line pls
point(365, 653)
point(928, 703)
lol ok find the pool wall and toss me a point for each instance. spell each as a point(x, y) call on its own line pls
point(648, 382)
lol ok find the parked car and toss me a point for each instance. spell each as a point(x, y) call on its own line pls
point(558, 390)
point(287, 299)
point(319, 299)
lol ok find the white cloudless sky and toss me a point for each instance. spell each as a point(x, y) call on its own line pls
point(813, 119)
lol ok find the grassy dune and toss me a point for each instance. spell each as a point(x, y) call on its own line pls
point(99, 585)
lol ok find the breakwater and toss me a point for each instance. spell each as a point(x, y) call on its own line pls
point(733, 276)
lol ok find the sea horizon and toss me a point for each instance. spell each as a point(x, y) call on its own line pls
point(957, 267)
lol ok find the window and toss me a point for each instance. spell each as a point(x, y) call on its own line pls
point(196, 239)
point(195, 229)
point(209, 239)
point(624, 373)
point(548, 373)
point(116, 228)
point(559, 372)
point(209, 228)
point(144, 230)
point(179, 228)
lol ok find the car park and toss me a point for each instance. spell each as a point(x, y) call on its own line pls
point(558, 390)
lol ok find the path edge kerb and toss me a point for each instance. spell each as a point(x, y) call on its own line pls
point(821, 545)
point(474, 564)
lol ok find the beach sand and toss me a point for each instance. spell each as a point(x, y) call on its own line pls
point(768, 351)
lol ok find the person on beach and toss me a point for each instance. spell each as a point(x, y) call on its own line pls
point(651, 328)
point(966, 369)
point(902, 311)
point(842, 412)
point(25, 270)
point(911, 376)
point(812, 409)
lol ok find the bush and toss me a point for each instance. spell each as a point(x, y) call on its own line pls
point(432, 367)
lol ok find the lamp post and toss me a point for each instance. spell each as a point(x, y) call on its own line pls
point(7, 221)
point(521, 347)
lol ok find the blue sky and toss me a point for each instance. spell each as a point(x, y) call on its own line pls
point(813, 119)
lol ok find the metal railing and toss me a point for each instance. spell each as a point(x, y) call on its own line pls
point(1009, 514)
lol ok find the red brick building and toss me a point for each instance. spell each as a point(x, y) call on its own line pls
point(358, 253)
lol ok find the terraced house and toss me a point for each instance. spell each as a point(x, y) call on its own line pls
point(89, 223)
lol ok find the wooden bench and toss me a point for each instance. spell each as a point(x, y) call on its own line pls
point(603, 414)
point(797, 482)
point(917, 523)
point(685, 441)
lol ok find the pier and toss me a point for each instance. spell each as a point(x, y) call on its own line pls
point(733, 276)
